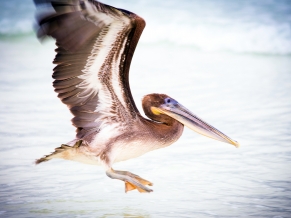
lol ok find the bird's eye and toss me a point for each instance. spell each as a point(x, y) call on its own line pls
point(168, 100)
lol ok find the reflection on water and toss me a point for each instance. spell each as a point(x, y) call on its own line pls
point(247, 97)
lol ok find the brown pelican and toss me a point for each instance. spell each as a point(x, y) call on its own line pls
point(95, 44)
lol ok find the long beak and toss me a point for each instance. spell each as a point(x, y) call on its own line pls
point(184, 116)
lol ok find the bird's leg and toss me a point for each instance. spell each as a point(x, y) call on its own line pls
point(128, 185)
point(131, 180)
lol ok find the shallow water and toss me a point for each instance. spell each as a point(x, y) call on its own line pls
point(246, 96)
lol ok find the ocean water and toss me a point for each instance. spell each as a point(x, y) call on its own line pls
point(227, 61)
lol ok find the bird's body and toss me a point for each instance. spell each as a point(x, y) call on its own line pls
point(113, 144)
point(96, 43)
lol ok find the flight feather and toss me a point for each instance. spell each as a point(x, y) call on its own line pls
point(95, 44)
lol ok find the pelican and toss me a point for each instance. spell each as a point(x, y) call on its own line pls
point(95, 44)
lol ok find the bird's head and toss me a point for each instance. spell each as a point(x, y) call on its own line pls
point(162, 108)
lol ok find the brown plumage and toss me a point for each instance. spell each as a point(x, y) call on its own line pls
point(95, 44)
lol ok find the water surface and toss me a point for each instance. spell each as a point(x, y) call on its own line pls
point(240, 84)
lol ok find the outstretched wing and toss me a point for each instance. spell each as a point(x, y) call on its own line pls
point(95, 43)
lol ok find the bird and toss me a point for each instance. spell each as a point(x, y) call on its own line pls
point(95, 45)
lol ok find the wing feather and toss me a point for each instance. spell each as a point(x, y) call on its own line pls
point(95, 43)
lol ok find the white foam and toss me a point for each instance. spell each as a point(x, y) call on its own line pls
point(242, 38)
point(211, 25)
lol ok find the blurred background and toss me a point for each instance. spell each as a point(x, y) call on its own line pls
point(227, 61)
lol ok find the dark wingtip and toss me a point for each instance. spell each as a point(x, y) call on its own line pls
point(38, 161)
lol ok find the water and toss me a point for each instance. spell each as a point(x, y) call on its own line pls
point(241, 84)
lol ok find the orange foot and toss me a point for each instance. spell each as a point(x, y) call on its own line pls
point(129, 186)
point(131, 180)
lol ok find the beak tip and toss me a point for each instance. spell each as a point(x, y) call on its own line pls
point(236, 144)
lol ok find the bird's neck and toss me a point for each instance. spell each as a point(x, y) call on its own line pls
point(168, 133)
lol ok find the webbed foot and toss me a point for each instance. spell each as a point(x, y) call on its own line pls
point(131, 180)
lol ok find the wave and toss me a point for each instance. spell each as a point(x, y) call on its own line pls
point(17, 29)
point(253, 26)
point(268, 40)
point(16, 18)
point(243, 38)
point(210, 25)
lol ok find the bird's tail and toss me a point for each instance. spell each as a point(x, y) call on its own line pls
point(58, 152)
